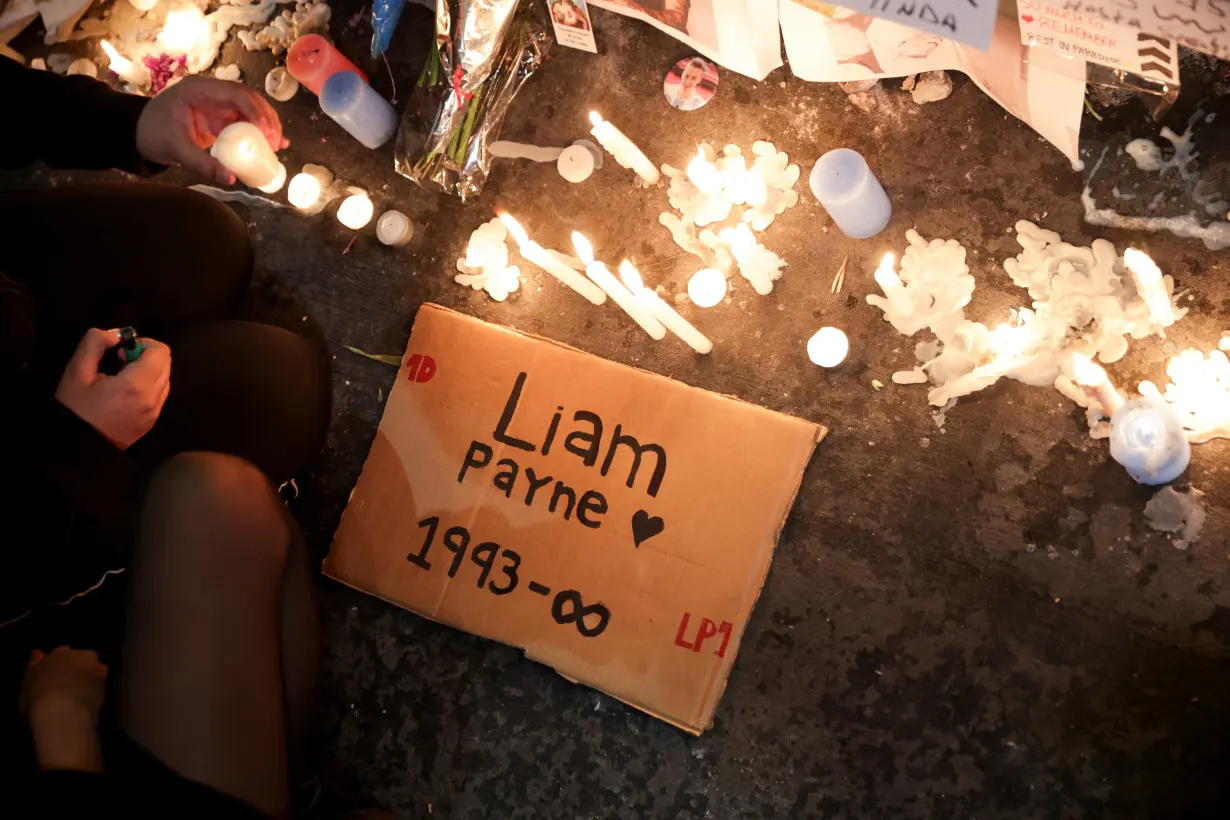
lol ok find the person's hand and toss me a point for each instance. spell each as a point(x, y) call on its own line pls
point(122, 407)
point(181, 123)
point(61, 696)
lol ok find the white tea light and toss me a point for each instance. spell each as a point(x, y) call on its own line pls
point(242, 149)
point(707, 287)
point(575, 163)
point(356, 211)
point(1147, 438)
point(309, 189)
point(828, 347)
point(394, 229)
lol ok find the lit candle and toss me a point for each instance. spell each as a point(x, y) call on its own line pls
point(828, 347)
point(622, 296)
point(242, 148)
point(356, 210)
point(308, 189)
point(538, 255)
point(312, 60)
point(1147, 438)
point(1093, 378)
point(143, 5)
point(661, 311)
point(353, 104)
point(707, 287)
point(126, 69)
point(888, 280)
point(183, 30)
point(704, 174)
point(394, 229)
point(623, 149)
point(1151, 285)
point(850, 193)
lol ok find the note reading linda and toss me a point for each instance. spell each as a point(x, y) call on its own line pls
point(584, 441)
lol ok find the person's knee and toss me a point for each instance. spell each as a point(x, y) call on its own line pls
point(225, 245)
point(221, 494)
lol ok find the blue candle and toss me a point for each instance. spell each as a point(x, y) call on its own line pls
point(354, 105)
point(1147, 438)
point(850, 193)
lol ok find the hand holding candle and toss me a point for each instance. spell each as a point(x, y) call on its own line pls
point(604, 279)
point(661, 311)
point(242, 149)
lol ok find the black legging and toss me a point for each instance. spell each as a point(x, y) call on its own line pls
point(174, 264)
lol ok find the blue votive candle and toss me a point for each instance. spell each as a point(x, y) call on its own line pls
point(1147, 438)
point(353, 104)
point(850, 193)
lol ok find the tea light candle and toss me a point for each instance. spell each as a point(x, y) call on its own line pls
point(1151, 285)
point(1093, 378)
point(312, 60)
point(888, 280)
point(394, 229)
point(576, 163)
point(353, 104)
point(1146, 437)
point(661, 311)
point(828, 347)
point(308, 189)
point(280, 85)
point(623, 149)
point(623, 297)
point(850, 193)
point(707, 287)
point(242, 148)
point(550, 262)
point(356, 210)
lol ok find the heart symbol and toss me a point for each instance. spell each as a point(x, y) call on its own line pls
point(645, 526)
point(1028, 18)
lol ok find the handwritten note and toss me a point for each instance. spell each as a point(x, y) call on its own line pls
point(1203, 25)
point(1089, 37)
point(966, 21)
point(615, 524)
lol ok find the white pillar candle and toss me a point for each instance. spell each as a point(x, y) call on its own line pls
point(707, 287)
point(242, 148)
point(661, 311)
point(126, 69)
point(309, 189)
point(828, 347)
point(547, 260)
point(356, 210)
point(394, 229)
point(888, 280)
point(1151, 285)
point(1093, 378)
point(623, 297)
point(623, 149)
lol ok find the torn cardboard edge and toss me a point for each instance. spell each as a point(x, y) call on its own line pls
point(709, 685)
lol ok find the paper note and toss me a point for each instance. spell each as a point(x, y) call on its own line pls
point(616, 524)
point(1200, 24)
point(966, 21)
point(1092, 38)
point(573, 26)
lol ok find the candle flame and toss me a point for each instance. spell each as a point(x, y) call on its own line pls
point(184, 29)
point(584, 249)
point(1086, 372)
point(595, 118)
point(118, 63)
point(514, 228)
point(631, 277)
point(888, 263)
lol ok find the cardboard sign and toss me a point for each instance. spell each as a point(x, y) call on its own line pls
point(966, 21)
point(1089, 37)
point(1200, 24)
point(573, 26)
point(615, 524)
